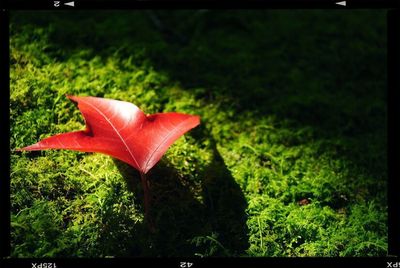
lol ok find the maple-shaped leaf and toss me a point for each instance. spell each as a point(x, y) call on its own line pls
point(122, 130)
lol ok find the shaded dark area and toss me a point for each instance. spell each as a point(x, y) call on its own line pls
point(283, 63)
point(183, 223)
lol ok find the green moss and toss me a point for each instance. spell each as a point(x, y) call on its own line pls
point(289, 159)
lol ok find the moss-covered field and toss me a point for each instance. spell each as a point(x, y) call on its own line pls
point(289, 159)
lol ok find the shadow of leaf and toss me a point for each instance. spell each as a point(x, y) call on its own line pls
point(204, 218)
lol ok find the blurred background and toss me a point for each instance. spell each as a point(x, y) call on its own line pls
point(290, 158)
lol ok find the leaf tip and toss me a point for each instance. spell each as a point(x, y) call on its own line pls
point(32, 147)
point(18, 150)
point(196, 120)
point(71, 97)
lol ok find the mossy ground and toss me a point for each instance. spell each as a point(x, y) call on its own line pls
point(289, 160)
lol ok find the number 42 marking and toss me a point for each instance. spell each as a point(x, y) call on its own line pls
point(186, 264)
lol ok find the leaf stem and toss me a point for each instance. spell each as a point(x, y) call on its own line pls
point(146, 191)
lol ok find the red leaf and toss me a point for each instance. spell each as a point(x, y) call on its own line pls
point(122, 130)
